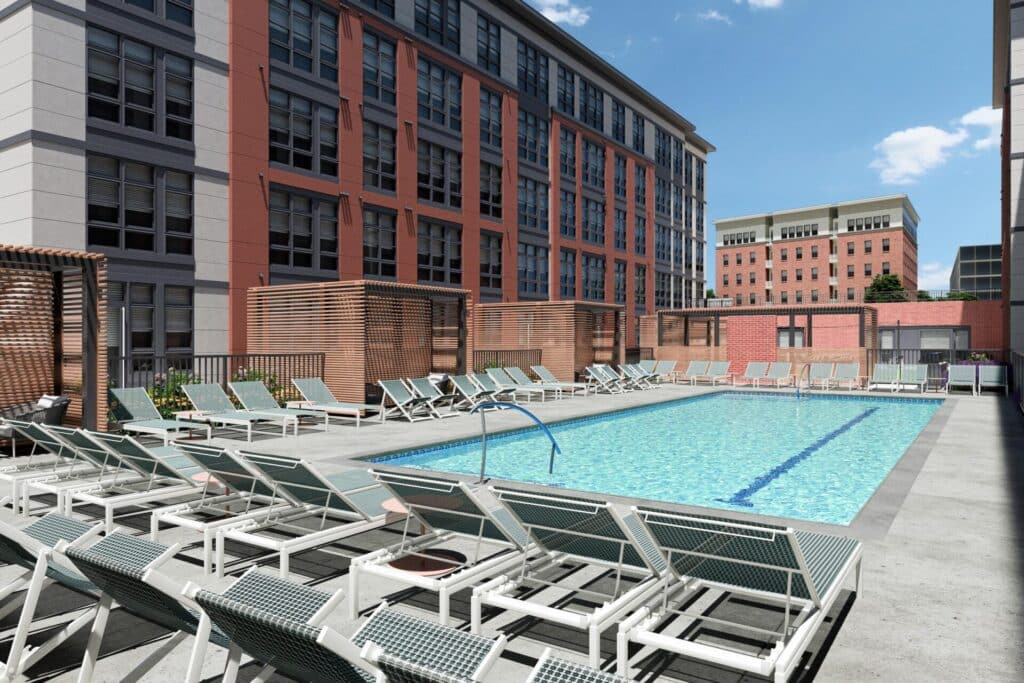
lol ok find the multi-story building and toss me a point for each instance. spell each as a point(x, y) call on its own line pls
point(817, 254)
point(208, 147)
point(978, 270)
point(1007, 91)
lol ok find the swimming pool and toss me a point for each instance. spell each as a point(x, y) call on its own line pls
point(817, 458)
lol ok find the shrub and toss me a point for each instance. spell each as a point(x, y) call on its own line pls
point(167, 394)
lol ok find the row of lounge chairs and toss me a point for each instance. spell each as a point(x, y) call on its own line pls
point(657, 561)
point(977, 378)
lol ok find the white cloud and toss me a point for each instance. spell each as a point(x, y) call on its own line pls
point(765, 4)
point(715, 15)
point(933, 276)
point(906, 155)
point(985, 117)
point(563, 11)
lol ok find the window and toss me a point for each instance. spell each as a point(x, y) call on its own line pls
point(791, 336)
point(618, 121)
point(438, 253)
point(867, 246)
point(438, 22)
point(532, 69)
point(867, 269)
point(301, 131)
point(567, 152)
point(783, 254)
point(662, 147)
point(490, 190)
point(620, 229)
point(725, 280)
point(640, 235)
point(438, 174)
point(850, 294)
point(799, 253)
point(885, 246)
point(640, 286)
point(490, 118)
point(663, 290)
point(799, 296)
point(292, 27)
point(638, 132)
point(488, 45)
point(850, 248)
point(593, 164)
point(620, 176)
point(178, 11)
point(620, 282)
point(785, 276)
point(799, 274)
point(885, 221)
point(533, 270)
point(662, 196)
point(177, 318)
point(122, 201)
point(640, 188)
point(533, 205)
point(438, 95)
point(700, 175)
point(303, 232)
point(142, 316)
point(565, 100)
point(677, 156)
point(593, 277)
point(739, 259)
point(567, 274)
point(814, 273)
point(849, 270)
point(725, 259)
point(567, 214)
point(753, 278)
point(885, 267)
point(378, 68)
point(591, 105)
point(379, 249)
point(662, 242)
point(122, 85)
point(784, 297)
point(378, 156)
point(385, 7)
point(533, 138)
point(593, 221)
point(753, 257)
point(688, 169)
point(490, 261)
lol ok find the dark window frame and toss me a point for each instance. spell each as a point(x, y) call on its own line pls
point(439, 22)
point(379, 67)
point(438, 174)
point(380, 254)
point(533, 270)
point(438, 94)
point(379, 156)
point(441, 266)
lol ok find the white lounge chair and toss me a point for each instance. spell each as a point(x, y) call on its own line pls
point(404, 403)
point(962, 376)
point(318, 397)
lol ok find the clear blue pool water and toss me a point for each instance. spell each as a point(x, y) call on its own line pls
point(818, 458)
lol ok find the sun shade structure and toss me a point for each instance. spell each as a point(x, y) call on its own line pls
point(368, 330)
point(53, 321)
point(570, 335)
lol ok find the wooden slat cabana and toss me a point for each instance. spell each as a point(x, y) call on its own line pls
point(570, 335)
point(367, 330)
point(53, 329)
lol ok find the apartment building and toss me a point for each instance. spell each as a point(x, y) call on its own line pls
point(977, 269)
point(817, 254)
point(207, 147)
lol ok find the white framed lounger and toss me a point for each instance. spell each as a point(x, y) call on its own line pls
point(60, 461)
point(769, 563)
point(449, 510)
point(317, 397)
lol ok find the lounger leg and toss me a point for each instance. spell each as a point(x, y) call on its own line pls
point(622, 654)
point(443, 605)
point(208, 538)
point(475, 613)
point(282, 569)
point(143, 667)
point(25, 620)
point(108, 516)
point(195, 662)
point(353, 591)
point(595, 646)
point(154, 527)
point(92, 650)
point(219, 556)
point(264, 674)
point(860, 572)
point(234, 659)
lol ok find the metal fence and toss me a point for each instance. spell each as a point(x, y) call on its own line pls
point(505, 358)
point(936, 359)
point(1017, 373)
point(859, 297)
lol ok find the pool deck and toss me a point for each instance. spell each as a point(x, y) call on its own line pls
point(942, 590)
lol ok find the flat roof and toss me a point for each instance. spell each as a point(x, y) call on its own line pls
point(820, 207)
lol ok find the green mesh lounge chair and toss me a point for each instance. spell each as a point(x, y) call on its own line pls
point(694, 369)
point(279, 623)
point(523, 380)
point(665, 370)
point(446, 511)
point(913, 376)
point(752, 375)
point(993, 377)
point(637, 377)
point(820, 376)
point(962, 376)
point(793, 572)
point(885, 376)
point(551, 669)
point(215, 407)
point(601, 382)
point(503, 381)
point(778, 375)
point(31, 549)
point(257, 399)
point(471, 394)
point(329, 508)
point(548, 377)
point(567, 531)
point(404, 403)
point(484, 381)
point(422, 386)
point(648, 365)
point(134, 411)
point(318, 397)
point(51, 458)
point(848, 375)
point(718, 371)
point(126, 570)
point(627, 383)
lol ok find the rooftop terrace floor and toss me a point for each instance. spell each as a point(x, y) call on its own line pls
point(942, 591)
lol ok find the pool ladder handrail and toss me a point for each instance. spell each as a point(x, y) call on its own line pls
point(806, 367)
point(482, 409)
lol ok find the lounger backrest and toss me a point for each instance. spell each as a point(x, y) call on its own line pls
point(665, 367)
point(589, 529)
point(847, 371)
point(209, 397)
point(518, 376)
point(396, 390)
point(35, 432)
point(597, 375)
point(485, 381)
point(718, 368)
point(915, 372)
point(131, 451)
point(21, 546)
point(885, 373)
point(756, 369)
point(313, 389)
point(254, 395)
point(963, 373)
point(89, 450)
point(779, 370)
point(992, 375)
point(450, 505)
point(231, 471)
point(499, 376)
point(303, 482)
point(465, 385)
point(133, 404)
point(821, 371)
point(648, 365)
point(697, 368)
point(545, 374)
point(425, 387)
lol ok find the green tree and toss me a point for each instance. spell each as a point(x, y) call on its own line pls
point(710, 294)
point(923, 295)
point(962, 296)
point(885, 288)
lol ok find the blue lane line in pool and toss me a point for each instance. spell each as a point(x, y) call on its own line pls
point(742, 497)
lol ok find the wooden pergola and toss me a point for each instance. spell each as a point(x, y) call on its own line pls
point(53, 321)
point(368, 330)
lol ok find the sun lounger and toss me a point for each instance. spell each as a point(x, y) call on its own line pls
point(422, 386)
point(778, 375)
point(913, 376)
point(318, 398)
point(51, 458)
point(279, 624)
point(820, 376)
point(405, 403)
point(694, 369)
point(603, 382)
point(885, 376)
point(640, 379)
point(471, 394)
point(214, 406)
point(627, 381)
point(484, 381)
point(548, 377)
point(794, 572)
point(256, 398)
point(648, 365)
point(446, 510)
point(665, 370)
point(570, 530)
point(993, 377)
point(338, 505)
point(848, 375)
point(962, 376)
point(501, 378)
point(521, 379)
point(718, 371)
point(136, 413)
point(753, 374)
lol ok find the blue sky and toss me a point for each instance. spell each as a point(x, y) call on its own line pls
point(815, 101)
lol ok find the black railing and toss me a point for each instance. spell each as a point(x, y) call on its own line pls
point(637, 354)
point(505, 358)
point(859, 297)
point(936, 359)
point(1017, 372)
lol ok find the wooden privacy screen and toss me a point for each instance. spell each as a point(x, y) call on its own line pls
point(568, 335)
point(367, 330)
point(26, 336)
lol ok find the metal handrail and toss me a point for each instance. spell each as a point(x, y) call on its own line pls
point(807, 367)
point(482, 409)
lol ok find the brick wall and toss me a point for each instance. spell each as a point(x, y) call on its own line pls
point(985, 318)
point(751, 337)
